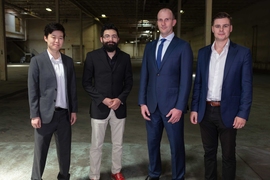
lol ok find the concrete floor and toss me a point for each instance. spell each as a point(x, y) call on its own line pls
point(16, 136)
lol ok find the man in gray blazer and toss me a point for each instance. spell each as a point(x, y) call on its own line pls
point(52, 101)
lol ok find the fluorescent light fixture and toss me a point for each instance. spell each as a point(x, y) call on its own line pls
point(48, 9)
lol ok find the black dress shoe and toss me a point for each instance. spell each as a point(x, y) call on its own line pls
point(151, 178)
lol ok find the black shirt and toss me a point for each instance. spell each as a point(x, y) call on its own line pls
point(113, 60)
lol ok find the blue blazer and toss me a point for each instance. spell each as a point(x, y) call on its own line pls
point(236, 96)
point(169, 86)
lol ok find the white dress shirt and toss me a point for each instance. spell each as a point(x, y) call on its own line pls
point(60, 78)
point(165, 44)
point(216, 72)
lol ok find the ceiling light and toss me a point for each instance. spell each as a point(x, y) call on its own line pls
point(48, 9)
point(144, 21)
point(103, 15)
point(96, 19)
point(182, 11)
point(24, 12)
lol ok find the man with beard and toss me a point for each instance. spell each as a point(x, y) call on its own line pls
point(107, 78)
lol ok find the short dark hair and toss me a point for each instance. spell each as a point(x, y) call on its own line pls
point(221, 15)
point(49, 28)
point(108, 26)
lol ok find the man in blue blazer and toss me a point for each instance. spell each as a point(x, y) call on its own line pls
point(165, 85)
point(52, 101)
point(222, 96)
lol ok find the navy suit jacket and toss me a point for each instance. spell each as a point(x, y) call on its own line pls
point(42, 86)
point(236, 96)
point(169, 86)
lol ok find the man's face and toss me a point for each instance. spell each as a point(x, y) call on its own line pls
point(222, 29)
point(109, 40)
point(55, 40)
point(165, 22)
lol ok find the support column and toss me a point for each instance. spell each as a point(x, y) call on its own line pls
point(81, 37)
point(57, 17)
point(3, 51)
point(178, 24)
point(208, 19)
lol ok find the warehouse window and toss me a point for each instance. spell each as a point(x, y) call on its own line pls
point(17, 24)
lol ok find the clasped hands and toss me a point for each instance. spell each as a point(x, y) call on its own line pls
point(112, 103)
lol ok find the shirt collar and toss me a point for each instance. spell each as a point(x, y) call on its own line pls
point(225, 47)
point(168, 38)
point(116, 52)
point(55, 61)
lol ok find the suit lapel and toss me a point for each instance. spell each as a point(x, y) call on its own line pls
point(153, 54)
point(207, 61)
point(118, 59)
point(103, 58)
point(49, 63)
point(65, 67)
point(230, 58)
point(169, 50)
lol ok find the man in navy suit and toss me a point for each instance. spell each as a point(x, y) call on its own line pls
point(53, 102)
point(222, 96)
point(164, 90)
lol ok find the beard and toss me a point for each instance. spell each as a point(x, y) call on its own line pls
point(110, 46)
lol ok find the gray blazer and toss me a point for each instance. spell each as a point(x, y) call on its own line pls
point(42, 86)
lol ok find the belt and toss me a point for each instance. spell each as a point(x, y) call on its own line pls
point(59, 109)
point(213, 103)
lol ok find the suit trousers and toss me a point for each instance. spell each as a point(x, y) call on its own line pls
point(61, 128)
point(98, 133)
point(213, 128)
point(175, 133)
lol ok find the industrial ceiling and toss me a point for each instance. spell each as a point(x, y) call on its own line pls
point(134, 18)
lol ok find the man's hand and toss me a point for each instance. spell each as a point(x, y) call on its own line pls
point(145, 112)
point(73, 118)
point(193, 117)
point(239, 122)
point(175, 115)
point(107, 101)
point(36, 122)
point(115, 103)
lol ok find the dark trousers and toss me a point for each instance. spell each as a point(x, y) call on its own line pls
point(175, 133)
point(213, 128)
point(61, 128)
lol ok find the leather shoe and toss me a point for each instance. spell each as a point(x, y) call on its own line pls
point(117, 176)
point(151, 178)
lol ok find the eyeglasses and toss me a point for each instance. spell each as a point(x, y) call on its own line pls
point(225, 26)
point(107, 36)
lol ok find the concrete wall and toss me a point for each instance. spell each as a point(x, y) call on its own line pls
point(90, 38)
